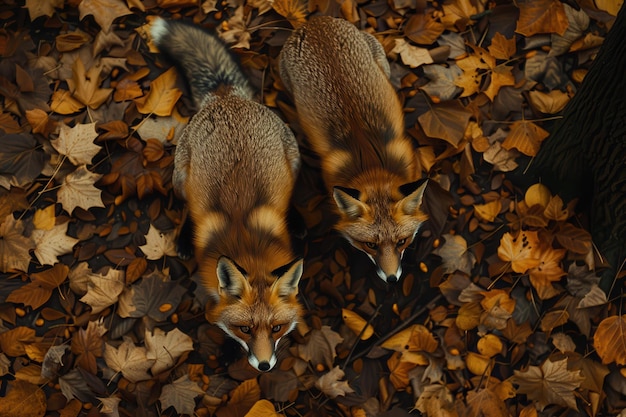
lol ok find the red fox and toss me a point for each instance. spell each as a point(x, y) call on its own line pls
point(338, 77)
point(235, 165)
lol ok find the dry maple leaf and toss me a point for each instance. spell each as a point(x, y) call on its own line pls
point(501, 76)
point(442, 83)
point(77, 143)
point(412, 56)
point(551, 383)
point(320, 346)
point(37, 8)
point(14, 246)
point(455, 255)
point(49, 244)
point(166, 348)
point(501, 47)
point(526, 137)
point(610, 340)
point(88, 345)
point(159, 244)
point(423, 29)
point(457, 14)
point(103, 11)
point(78, 190)
point(162, 97)
point(485, 403)
point(129, 359)
point(436, 400)
point(522, 251)
point(23, 399)
point(399, 371)
point(548, 271)
point(498, 306)
point(181, 395)
point(103, 290)
point(85, 85)
point(330, 383)
point(64, 103)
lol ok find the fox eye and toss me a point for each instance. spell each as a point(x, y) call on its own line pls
point(401, 242)
point(371, 245)
point(276, 328)
point(244, 329)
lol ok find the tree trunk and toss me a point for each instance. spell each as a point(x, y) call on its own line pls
point(585, 156)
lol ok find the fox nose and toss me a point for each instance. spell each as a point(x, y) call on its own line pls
point(264, 366)
point(392, 279)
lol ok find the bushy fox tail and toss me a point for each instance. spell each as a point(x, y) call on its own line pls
point(205, 61)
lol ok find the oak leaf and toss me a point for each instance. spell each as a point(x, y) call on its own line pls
point(78, 190)
point(14, 246)
point(522, 251)
point(77, 143)
point(166, 348)
point(162, 97)
point(610, 340)
point(129, 359)
point(49, 244)
point(330, 383)
point(541, 16)
point(551, 383)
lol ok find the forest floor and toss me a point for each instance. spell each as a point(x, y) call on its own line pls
point(499, 311)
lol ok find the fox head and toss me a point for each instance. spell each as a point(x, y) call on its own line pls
point(381, 222)
point(258, 313)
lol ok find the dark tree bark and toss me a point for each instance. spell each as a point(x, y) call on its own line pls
point(585, 157)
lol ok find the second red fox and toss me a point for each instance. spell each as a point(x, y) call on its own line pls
point(236, 165)
point(339, 79)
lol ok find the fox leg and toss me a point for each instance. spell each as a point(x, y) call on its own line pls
point(378, 52)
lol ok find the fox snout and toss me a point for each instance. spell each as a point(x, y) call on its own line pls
point(388, 263)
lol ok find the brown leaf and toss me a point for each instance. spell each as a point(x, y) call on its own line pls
point(130, 360)
point(37, 8)
point(446, 121)
point(37, 292)
point(551, 383)
point(330, 383)
point(541, 16)
point(501, 47)
point(23, 399)
point(103, 11)
point(181, 395)
point(52, 243)
point(78, 190)
point(411, 342)
point(77, 143)
point(574, 239)
point(64, 103)
point(14, 246)
point(423, 29)
point(166, 348)
point(526, 137)
point(242, 399)
point(13, 342)
point(320, 347)
point(554, 319)
point(485, 403)
point(40, 122)
point(88, 345)
point(162, 97)
point(85, 85)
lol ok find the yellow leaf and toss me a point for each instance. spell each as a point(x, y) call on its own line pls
point(488, 211)
point(295, 11)
point(162, 97)
point(521, 251)
point(44, 219)
point(64, 103)
point(489, 345)
point(500, 76)
point(501, 47)
point(357, 324)
point(411, 342)
point(549, 103)
point(263, 408)
point(610, 340)
point(85, 85)
point(537, 194)
point(526, 137)
point(478, 364)
point(469, 315)
point(399, 371)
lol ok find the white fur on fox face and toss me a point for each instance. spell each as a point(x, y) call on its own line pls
point(252, 360)
point(232, 335)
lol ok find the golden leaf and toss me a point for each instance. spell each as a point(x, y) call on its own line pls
point(526, 137)
point(501, 47)
point(541, 16)
point(295, 11)
point(522, 251)
point(610, 340)
point(162, 97)
point(357, 324)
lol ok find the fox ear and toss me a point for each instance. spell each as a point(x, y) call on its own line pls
point(414, 193)
point(288, 277)
point(231, 277)
point(348, 202)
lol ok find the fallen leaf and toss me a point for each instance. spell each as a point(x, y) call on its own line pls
point(541, 16)
point(242, 399)
point(38, 291)
point(21, 160)
point(446, 121)
point(77, 143)
point(78, 190)
point(181, 395)
point(50, 244)
point(234, 31)
point(357, 324)
point(330, 383)
point(488, 211)
point(13, 342)
point(411, 342)
point(442, 82)
point(23, 399)
point(319, 347)
point(159, 244)
point(485, 403)
point(87, 345)
point(155, 296)
point(130, 360)
point(610, 340)
point(423, 29)
point(455, 255)
point(522, 251)
point(103, 11)
point(549, 270)
point(551, 383)
point(263, 408)
point(501, 47)
point(103, 290)
point(412, 56)
point(85, 85)
point(37, 8)
point(166, 348)
point(162, 97)
point(295, 11)
point(14, 246)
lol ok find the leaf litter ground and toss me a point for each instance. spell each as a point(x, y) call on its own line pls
point(500, 311)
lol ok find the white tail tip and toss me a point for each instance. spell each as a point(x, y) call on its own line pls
point(158, 29)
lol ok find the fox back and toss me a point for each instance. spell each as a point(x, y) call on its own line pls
point(235, 165)
point(339, 79)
